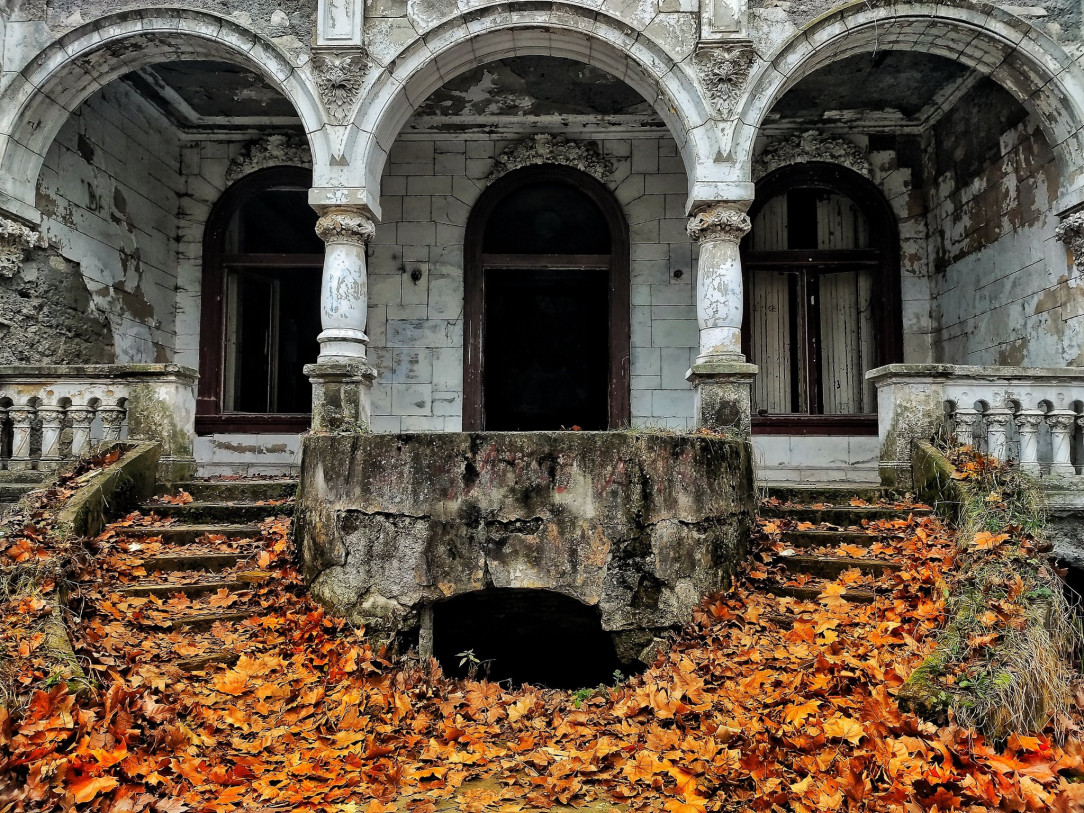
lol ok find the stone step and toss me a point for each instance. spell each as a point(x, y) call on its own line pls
point(823, 538)
point(830, 567)
point(242, 581)
point(813, 593)
point(203, 621)
point(24, 476)
point(840, 494)
point(186, 534)
point(173, 562)
point(13, 492)
point(201, 662)
point(841, 516)
point(199, 512)
point(235, 490)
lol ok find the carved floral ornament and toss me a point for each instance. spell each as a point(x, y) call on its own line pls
point(339, 76)
point(15, 240)
point(1071, 232)
point(546, 148)
point(724, 71)
point(345, 226)
point(812, 146)
point(272, 151)
point(719, 222)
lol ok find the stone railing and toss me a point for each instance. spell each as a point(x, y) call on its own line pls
point(53, 413)
point(1034, 415)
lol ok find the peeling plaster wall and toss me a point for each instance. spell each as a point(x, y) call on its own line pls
point(109, 193)
point(1003, 290)
point(416, 328)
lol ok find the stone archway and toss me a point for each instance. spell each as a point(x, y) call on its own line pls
point(1037, 71)
point(36, 105)
point(535, 28)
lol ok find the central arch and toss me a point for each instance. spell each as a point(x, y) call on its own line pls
point(526, 267)
point(987, 39)
point(533, 29)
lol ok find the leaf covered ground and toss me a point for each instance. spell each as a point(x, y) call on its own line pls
point(762, 703)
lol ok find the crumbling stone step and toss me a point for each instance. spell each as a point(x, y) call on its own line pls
point(201, 662)
point(843, 516)
point(821, 538)
point(235, 490)
point(186, 534)
point(243, 581)
point(191, 561)
point(834, 494)
point(24, 476)
point(202, 621)
point(196, 512)
point(13, 492)
point(813, 593)
point(830, 567)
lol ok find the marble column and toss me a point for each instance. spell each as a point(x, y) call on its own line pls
point(720, 375)
point(342, 377)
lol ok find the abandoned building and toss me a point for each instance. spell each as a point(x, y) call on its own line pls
point(442, 234)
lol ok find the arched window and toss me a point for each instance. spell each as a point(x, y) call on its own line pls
point(261, 305)
point(822, 295)
point(547, 305)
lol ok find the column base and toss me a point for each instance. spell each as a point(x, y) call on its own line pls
point(723, 391)
point(342, 345)
point(341, 395)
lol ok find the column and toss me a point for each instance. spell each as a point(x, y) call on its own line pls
point(112, 424)
point(82, 418)
point(52, 423)
point(22, 419)
point(1028, 422)
point(720, 376)
point(342, 378)
point(964, 421)
point(1062, 422)
point(997, 425)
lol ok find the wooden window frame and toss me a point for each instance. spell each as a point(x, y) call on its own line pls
point(884, 257)
point(617, 262)
point(210, 417)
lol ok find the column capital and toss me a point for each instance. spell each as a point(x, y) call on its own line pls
point(345, 224)
point(720, 221)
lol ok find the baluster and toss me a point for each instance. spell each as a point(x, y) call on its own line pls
point(52, 423)
point(22, 419)
point(112, 421)
point(964, 421)
point(1028, 422)
point(82, 418)
point(997, 425)
point(1062, 422)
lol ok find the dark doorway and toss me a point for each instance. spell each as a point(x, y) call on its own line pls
point(547, 305)
point(525, 636)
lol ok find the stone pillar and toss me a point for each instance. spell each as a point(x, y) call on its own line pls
point(344, 300)
point(720, 377)
point(1028, 422)
point(22, 420)
point(112, 423)
point(342, 379)
point(82, 418)
point(52, 422)
point(963, 421)
point(997, 425)
point(1062, 422)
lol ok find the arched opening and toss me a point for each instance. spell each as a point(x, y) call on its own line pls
point(547, 304)
point(525, 636)
point(261, 304)
point(822, 287)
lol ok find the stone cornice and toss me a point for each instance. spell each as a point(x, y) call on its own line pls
point(719, 222)
point(547, 148)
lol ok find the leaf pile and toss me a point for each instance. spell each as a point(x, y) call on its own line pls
point(762, 703)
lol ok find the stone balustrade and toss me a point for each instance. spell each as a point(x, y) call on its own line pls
point(1029, 414)
point(53, 413)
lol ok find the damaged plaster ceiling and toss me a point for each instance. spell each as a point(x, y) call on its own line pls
point(205, 95)
point(886, 91)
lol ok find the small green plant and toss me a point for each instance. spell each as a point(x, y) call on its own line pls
point(474, 663)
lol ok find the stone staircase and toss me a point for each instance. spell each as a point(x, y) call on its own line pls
point(210, 551)
point(817, 534)
point(14, 484)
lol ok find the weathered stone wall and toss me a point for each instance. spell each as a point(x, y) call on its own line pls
point(1002, 291)
point(639, 525)
point(109, 194)
point(416, 327)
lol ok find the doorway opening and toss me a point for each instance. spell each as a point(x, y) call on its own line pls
point(526, 636)
point(822, 298)
point(261, 305)
point(547, 305)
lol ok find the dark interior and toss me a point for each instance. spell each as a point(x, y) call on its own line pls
point(547, 218)
point(525, 636)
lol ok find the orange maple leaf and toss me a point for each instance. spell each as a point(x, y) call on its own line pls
point(845, 728)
